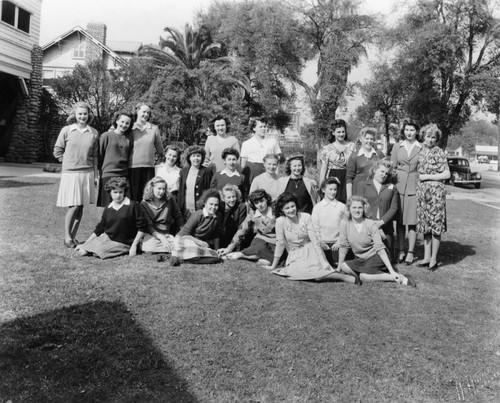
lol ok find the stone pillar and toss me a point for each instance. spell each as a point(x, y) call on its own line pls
point(92, 51)
point(26, 144)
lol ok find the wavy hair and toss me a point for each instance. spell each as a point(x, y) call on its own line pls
point(282, 200)
point(288, 163)
point(255, 120)
point(230, 151)
point(117, 183)
point(384, 162)
point(219, 117)
point(179, 154)
point(431, 128)
point(408, 122)
point(148, 194)
point(194, 150)
point(336, 124)
point(207, 194)
point(72, 114)
point(118, 115)
point(257, 195)
point(366, 207)
point(139, 106)
point(231, 188)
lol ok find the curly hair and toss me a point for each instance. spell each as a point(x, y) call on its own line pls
point(179, 154)
point(194, 150)
point(231, 188)
point(282, 200)
point(116, 183)
point(430, 128)
point(384, 162)
point(207, 194)
point(118, 115)
point(219, 117)
point(366, 207)
point(408, 122)
point(148, 194)
point(72, 115)
point(258, 195)
point(255, 120)
point(288, 163)
point(337, 124)
point(230, 151)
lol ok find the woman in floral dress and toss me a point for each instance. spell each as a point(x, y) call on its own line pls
point(334, 157)
point(306, 259)
point(431, 194)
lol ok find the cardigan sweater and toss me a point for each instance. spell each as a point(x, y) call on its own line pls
point(202, 183)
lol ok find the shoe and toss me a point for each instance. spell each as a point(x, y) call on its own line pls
point(423, 264)
point(411, 282)
point(175, 261)
point(357, 279)
point(69, 244)
point(433, 267)
point(401, 257)
point(409, 262)
point(160, 258)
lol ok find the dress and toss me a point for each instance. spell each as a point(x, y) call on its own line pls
point(431, 195)
point(335, 161)
point(306, 260)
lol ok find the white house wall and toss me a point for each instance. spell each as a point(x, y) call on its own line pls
point(16, 45)
point(58, 59)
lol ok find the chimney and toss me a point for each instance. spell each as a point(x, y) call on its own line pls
point(98, 31)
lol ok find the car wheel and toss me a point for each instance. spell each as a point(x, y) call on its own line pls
point(477, 185)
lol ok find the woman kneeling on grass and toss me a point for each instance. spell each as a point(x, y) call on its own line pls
point(295, 232)
point(261, 221)
point(198, 240)
point(362, 235)
point(121, 228)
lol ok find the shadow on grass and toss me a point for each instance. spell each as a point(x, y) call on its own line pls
point(452, 252)
point(92, 352)
point(8, 183)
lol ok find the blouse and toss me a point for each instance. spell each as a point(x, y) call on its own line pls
point(334, 158)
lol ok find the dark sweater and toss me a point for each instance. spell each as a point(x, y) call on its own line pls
point(219, 180)
point(231, 221)
point(113, 154)
point(205, 228)
point(202, 183)
point(122, 225)
point(166, 220)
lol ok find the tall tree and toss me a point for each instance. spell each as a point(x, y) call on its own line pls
point(443, 46)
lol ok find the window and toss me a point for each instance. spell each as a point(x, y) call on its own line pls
point(16, 16)
point(79, 51)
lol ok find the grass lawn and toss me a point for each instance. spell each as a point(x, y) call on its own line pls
point(132, 329)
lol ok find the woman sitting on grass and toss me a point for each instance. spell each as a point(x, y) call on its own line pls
point(261, 221)
point(295, 232)
point(121, 228)
point(362, 235)
point(162, 216)
point(198, 240)
point(233, 212)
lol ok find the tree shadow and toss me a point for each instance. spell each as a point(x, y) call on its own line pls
point(8, 183)
point(451, 252)
point(91, 352)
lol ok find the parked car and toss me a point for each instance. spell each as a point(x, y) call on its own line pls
point(461, 174)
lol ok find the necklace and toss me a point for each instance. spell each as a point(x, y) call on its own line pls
point(296, 182)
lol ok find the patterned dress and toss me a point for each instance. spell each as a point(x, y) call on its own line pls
point(431, 195)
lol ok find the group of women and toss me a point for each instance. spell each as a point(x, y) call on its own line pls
point(228, 202)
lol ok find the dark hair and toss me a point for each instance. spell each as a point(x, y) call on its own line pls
point(139, 106)
point(148, 194)
point(230, 151)
point(116, 183)
point(430, 128)
point(336, 124)
point(194, 150)
point(366, 207)
point(207, 194)
point(178, 151)
point(289, 160)
point(118, 115)
point(408, 122)
point(331, 180)
point(282, 200)
point(254, 120)
point(257, 195)
point(219, 117)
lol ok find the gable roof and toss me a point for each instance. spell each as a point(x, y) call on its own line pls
point(124, 46)
point(98, 43)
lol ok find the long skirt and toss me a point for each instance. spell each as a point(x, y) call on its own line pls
point(138, 177)
point(76, 189)
point(104, 247)
point(407, 214)
point(150, 244)
point(372, 265)
point(341, 175)
point(185, 249)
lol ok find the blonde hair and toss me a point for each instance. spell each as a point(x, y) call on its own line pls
point(231, 188)
point(149, 188)
point(351, 200)
point(72, 115)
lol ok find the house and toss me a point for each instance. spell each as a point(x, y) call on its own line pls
point(491, 152)
point(80, 46)
point(457, 152)
point(20, 79)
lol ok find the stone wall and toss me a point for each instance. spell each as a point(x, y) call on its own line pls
point(26, 143)
point(92, 51)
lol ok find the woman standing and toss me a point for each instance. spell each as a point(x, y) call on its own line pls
point(362, 235)
point(304, 189)
point(383, 199)
point(114, 149)
point(295, 232)
point(146, 140)
point(218, 143)
point(77, 148)
point(170, 170)
point(405, 157)
point(334, 157)
point(360, 163)
point(431, 194)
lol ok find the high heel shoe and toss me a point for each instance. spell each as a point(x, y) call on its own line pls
point(433, 267)
point(426, 264)
point(409, 262)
